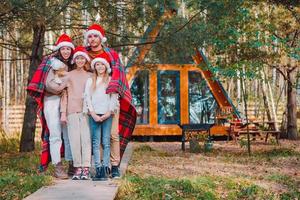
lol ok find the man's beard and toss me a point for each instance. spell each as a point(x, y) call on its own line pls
point(95, 45)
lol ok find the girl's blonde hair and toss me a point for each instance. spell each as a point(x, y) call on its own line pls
point(105, 79)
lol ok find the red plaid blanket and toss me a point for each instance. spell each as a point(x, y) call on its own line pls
point(119, 84)
point(36, 89)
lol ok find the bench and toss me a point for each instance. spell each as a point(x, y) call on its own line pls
point(274, 133)
point(188, 130)
point(254, 133)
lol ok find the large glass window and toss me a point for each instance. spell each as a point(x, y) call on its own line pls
point(168, 97)
point(140, 96)
point(202, 104)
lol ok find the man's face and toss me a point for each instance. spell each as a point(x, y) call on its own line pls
point(94, 40)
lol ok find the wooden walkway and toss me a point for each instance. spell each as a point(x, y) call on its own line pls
point(79, 190)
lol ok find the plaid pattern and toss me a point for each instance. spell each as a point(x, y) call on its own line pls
point(119, 84)
point(36, 89)
point(127, 122)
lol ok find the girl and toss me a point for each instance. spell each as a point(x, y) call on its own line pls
point(71, 113)
point(100, 106)
point(53, 90)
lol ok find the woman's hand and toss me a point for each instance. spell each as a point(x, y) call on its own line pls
point(63, 118)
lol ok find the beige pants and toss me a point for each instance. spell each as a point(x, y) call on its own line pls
point(80, 139)
point(115, 141)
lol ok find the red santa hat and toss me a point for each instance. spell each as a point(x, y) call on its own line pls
point(104, 59)
point(64, 41)
point(80, 51)
point(97, 30)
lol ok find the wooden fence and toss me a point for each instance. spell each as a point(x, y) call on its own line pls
point(13, 120)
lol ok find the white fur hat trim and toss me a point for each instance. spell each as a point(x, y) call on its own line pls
point(64, 44)
point(103, 61)
point(80, 53)
point(86, 35)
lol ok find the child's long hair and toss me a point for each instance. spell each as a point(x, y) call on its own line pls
point(105, 79)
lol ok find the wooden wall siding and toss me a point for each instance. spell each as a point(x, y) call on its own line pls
point(157, 130)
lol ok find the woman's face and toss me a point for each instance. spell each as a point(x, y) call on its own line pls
point(80, 61)
point(101, 69)
point(65, 52)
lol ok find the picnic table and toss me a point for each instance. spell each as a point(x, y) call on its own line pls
point(256, 128)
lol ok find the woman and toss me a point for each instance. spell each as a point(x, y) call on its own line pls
point(47, 92)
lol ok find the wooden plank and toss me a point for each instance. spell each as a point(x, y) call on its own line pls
point(184, 96)
point(157, 130)
point(153, 98)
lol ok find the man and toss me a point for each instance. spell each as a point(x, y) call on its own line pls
point(124, 120)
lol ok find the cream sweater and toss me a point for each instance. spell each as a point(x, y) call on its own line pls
point(96, 100)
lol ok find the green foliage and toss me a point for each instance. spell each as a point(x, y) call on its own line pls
point(19, 175)
point(144, 148)
point(243, 142)
point(279, 152)
point(201, 187)
point(294, 191)
point(8, 145)
point(161, 188)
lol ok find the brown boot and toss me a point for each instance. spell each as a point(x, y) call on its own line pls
point(71, 169)
point(59, 171)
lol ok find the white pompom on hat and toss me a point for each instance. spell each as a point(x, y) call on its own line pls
point(97, 30)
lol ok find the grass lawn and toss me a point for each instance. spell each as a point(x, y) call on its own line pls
point(163, 171)
point(19, 175)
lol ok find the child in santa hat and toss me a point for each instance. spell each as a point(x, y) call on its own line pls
point(54, 86)
point(101, 107)
point(72, 114)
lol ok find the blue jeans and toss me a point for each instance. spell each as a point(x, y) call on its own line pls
point(100, 132)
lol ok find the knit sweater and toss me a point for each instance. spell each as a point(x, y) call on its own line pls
point(96, 100)
point(72, 100)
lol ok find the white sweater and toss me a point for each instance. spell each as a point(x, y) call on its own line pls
point(97, 100)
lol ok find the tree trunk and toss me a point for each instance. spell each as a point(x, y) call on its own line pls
point(292, 131)
point(245, 98)
point(28, 130)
